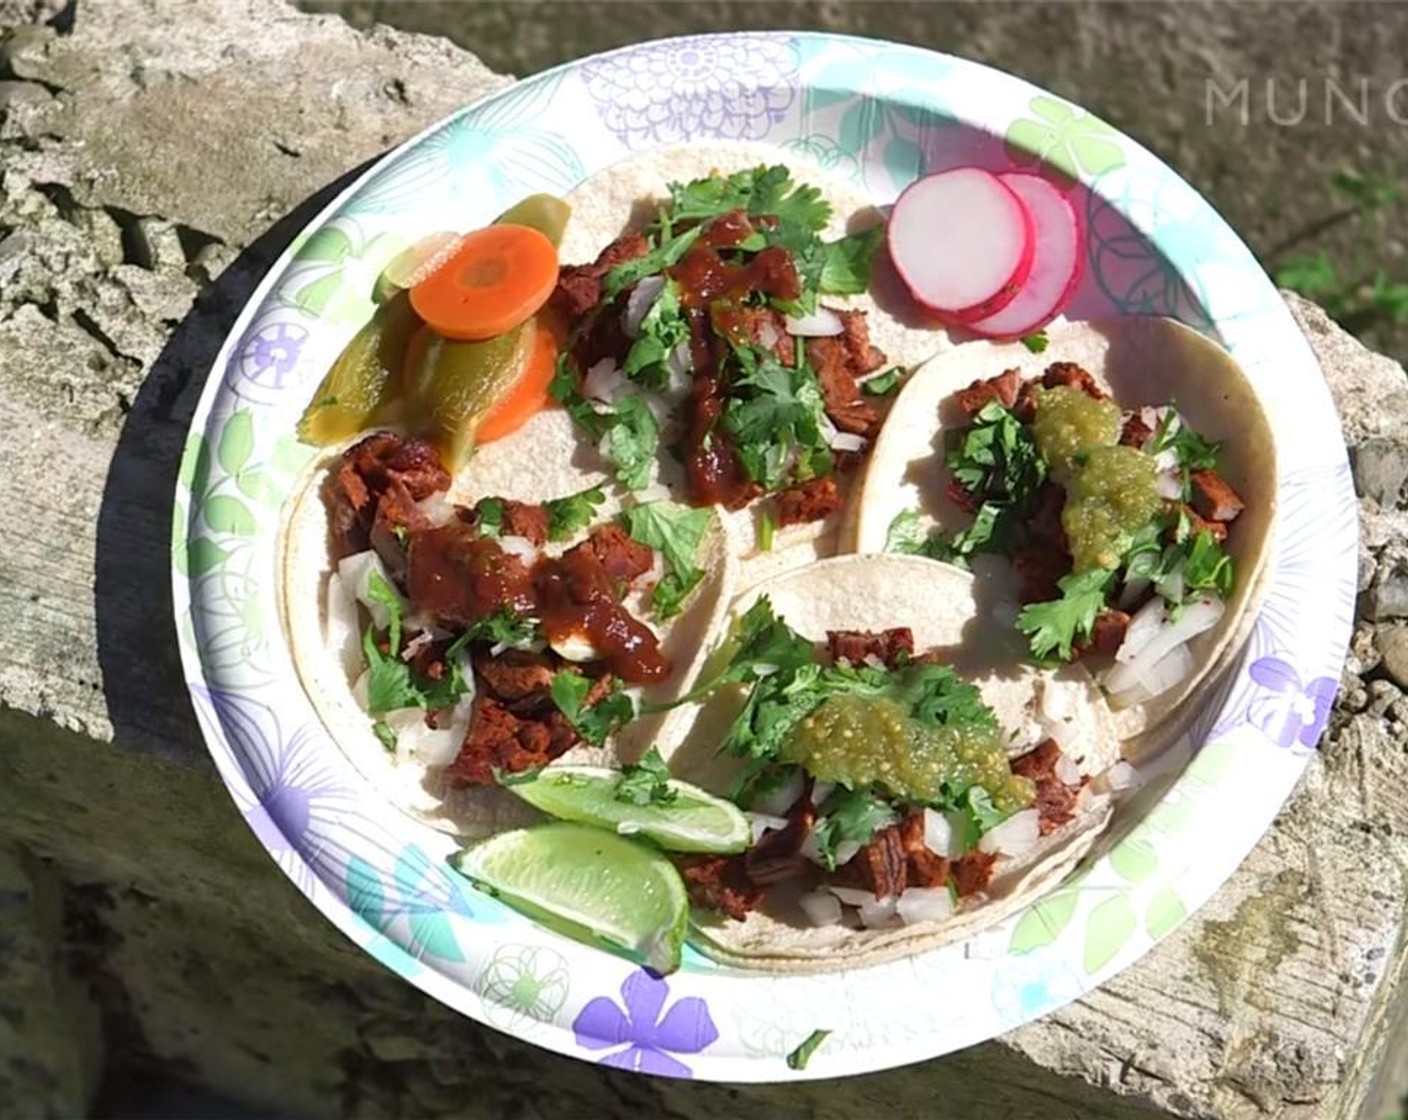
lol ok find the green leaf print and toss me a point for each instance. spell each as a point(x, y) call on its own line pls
point(327, 244)
point(1134, 858)
point(1166, 911)
point(236, 442)
point(859, 125)
point(1043, 923)
point(228, 515)
point(430, 933)
point(289, 456)
point(203, 556)
point(1106, 930)
point(186, 474)
point(904, 160)
point(314, 298)
point(259, 486)
point(1070, 140)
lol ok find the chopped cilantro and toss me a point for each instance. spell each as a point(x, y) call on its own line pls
point(502, 628)
point(1193, 452)
point(632, 440)
point(762, 639)
point(1036, 342)
point(647, 782)
point(766, 528)
point(759, 191)
point(848, 261)
point(1208, 567)
point(401, 533)
point(661, 332)
point(569, 692)
point(667, 254)
point(906, 536)
point(774, 416)
point(676, 531)
point(385, 734)
point(379, 591)
point(883, 384)
point(392, 684)
point(799, 1057)
point(1056, 625)
point(849, 814)
point(979, 815)
point(568, 516)
point(489, 517)
point(995, 460)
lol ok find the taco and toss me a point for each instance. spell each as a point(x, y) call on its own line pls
point(448, 634)
point(1123, 481)
point(906, 788)
point(722, 339)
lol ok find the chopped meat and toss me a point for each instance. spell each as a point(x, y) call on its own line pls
point(396, 517)
point(1002, 389)
point(926, 868)
point(1037, 571)
point(428, 660)
point(381, 463)
point(1107, 633)
point(1045, 522)
point(775, 857)
point(972, 872)
point(808, 501)
point(461, 577)
point(500, 740)
point(764, 327)
point(623, 557)
point(855, 332)
point(1197, 524)
point(839, 361)
point(524, 519)
point(1024, 407)
point(516, 675)
point(1055, 801)
point(884, 864)
point(1073, 376)
point(579, 285)
point(1213, 498)
point(1135, 432)
point(719, 883)
point(854, 646)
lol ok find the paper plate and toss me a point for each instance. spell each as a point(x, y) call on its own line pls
point(881, 114)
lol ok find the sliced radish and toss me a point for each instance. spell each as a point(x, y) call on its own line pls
point(1058, 260)
point(962, 242)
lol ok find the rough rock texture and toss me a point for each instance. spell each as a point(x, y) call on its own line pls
point(144, 935)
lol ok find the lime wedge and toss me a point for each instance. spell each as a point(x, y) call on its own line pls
point(693, 821)
point(587, 884)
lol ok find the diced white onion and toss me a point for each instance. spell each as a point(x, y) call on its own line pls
point(1166, 460)
point(680, 361)
point(604, 381)
point(1168, 484)
point(821, 791)
point(1014, 837)
point(810, 850)
point(1137, 664)
point(1157, 677)
point(416, 740)
point(1120, 776)
point(783, 797)
point(821, 908)
point(1143, 628)
point(360, 691)
point(1133, 591)
point(424, 622)
point(521, 547)
point(342, 626)
point(639, 303)
point(940, 837)
point(416, 644)
point(1004, 612)
point(924, 904)
point(853, 896)
point(768, 335)
point(437, 508)
point(764, 669)
point(764, 822)
point(1055, 703)
point(1171, 587)
point(846, 441)
point(1067, 772)
point(821, 323)
point(846, 850)
point(575, 648)
point(879, 913)
point(356, 572)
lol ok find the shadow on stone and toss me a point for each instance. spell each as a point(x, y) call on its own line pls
point(138, 655)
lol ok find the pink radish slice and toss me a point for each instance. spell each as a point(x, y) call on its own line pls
point(1057, 264)
point(962, 242)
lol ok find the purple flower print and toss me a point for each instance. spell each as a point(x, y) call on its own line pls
point(1288, 711)
point(272, 352)
point(732, 87)
point(685, 1028)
